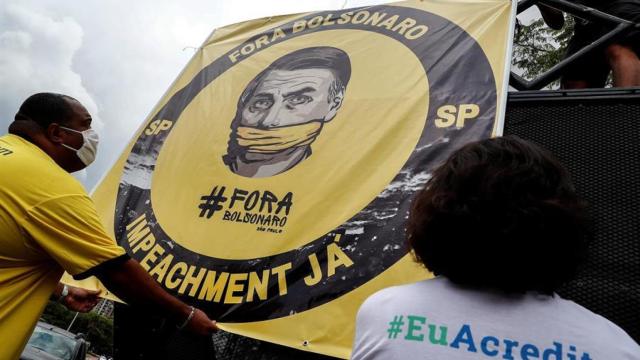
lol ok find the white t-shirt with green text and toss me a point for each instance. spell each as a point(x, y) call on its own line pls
point(437, 319)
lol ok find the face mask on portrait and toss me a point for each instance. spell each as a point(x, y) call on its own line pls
point(274, 140)
point(88, 150)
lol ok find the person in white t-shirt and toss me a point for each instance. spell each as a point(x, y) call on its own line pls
point(501, 227)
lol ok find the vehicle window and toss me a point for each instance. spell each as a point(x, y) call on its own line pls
point(52, 343)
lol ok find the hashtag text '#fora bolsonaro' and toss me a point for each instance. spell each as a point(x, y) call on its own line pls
point(253, 207)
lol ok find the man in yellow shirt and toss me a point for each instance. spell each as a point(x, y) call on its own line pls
point(48, 225)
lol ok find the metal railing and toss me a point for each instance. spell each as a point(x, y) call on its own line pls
point(622, 27)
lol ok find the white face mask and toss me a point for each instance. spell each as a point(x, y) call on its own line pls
point(89, 148)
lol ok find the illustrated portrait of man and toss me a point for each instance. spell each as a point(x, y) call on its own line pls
point(283, 109)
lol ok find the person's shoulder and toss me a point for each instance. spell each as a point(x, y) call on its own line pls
point(16, 148)
point(35, 175)
point(396, 294)
point(577, 311)
point(26, 154)
point(597, 325)
point(57, 183)
point(19, 145)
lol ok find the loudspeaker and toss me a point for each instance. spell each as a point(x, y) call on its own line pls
point(596, 134)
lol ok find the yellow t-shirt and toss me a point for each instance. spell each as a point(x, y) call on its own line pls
point(48, 224)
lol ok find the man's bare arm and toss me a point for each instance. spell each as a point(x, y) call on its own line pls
point(130, 282)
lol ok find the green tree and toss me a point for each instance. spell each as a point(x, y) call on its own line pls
point(58, 315)
point(537, 47)
point(98, 330)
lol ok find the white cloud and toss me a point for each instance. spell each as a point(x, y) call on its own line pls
point(37, 54)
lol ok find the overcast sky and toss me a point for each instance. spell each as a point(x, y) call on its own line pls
point(117, 57)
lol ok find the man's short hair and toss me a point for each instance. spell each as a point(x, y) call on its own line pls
point(319, 57)
point(500, 213)
point(46, 108)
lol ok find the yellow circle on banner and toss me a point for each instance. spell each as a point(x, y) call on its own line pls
point(354, 157)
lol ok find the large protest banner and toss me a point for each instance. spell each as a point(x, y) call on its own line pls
point(271, 183)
